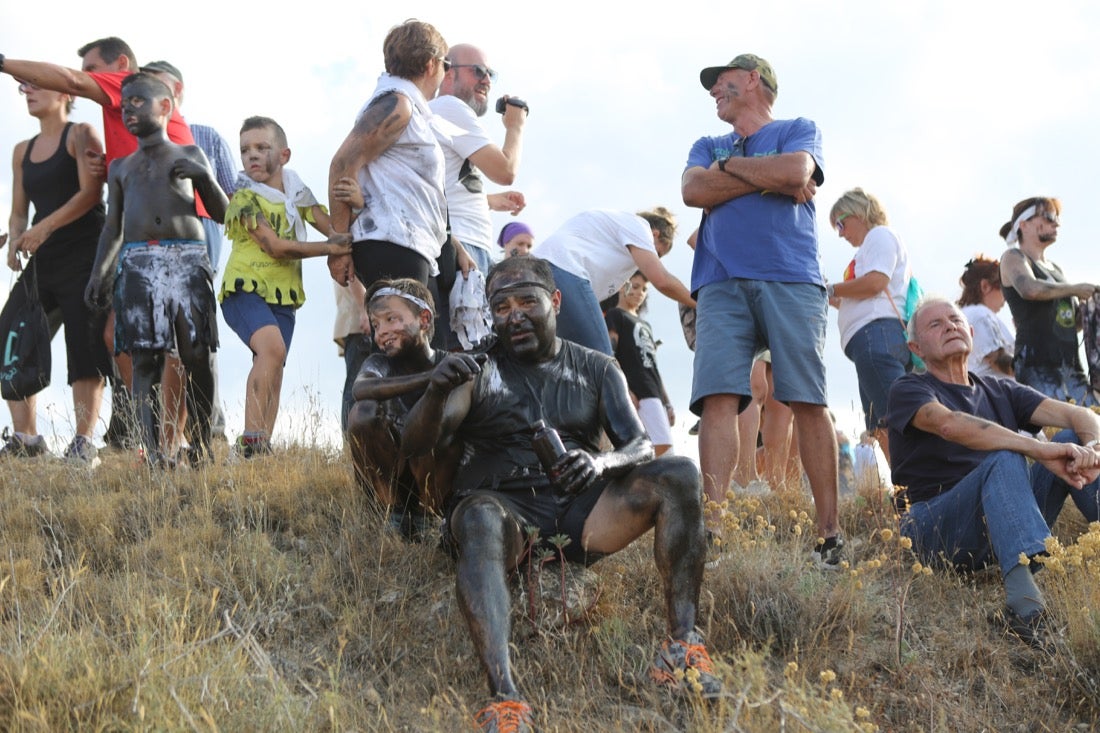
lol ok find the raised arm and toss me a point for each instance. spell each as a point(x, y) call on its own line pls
point(500, 164)
point(660, 278)
point(1016, 272)
point(445, 403)
point(82, 138)
point(57, 79)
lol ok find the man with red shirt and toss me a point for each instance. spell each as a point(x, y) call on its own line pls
point(105, 64)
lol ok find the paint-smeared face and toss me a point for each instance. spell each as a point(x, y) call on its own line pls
point(143, 108)
point(261, 155)
point(727, 91)
point(396, 329)
point(524, 316)
point(520, 244)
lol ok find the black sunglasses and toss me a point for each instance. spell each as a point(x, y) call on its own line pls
point(479, 71)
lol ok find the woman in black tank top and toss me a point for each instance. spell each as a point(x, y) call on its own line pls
point(51, 173)
point(1044, 305)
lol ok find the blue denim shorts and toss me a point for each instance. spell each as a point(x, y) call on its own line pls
point(246, 313)
point(737, 319)
point(881, 354)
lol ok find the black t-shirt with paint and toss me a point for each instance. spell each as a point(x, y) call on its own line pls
point(510, 396)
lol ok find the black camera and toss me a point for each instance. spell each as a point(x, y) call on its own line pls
point(514, 101)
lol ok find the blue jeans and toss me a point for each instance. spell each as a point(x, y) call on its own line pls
point(580, 319)
point(1063, 382)
point(996, 512)
point(881, 355)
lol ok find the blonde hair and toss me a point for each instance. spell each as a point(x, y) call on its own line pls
point(860, 204)
point(663, 220)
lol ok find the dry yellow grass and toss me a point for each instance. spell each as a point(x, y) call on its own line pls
point(266, 596)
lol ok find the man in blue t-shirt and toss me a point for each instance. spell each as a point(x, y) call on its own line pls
point(956, 445)
point(758, 283)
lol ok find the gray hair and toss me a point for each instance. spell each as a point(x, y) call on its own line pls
point(925, 302)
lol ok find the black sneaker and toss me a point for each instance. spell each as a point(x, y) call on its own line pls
point(829, 553)
point(1033, 629)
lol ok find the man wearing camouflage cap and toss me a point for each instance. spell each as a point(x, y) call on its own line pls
point(758, 283)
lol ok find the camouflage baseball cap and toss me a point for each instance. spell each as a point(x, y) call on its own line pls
point(155, 66)
point(746, 61)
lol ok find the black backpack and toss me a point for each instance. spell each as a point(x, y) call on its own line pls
point(25, 334)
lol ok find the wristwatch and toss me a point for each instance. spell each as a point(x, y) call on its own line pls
point(721, 161)
point(1093, 443)
point(1, 62)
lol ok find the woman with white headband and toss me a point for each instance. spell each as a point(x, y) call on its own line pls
point(1044, 305)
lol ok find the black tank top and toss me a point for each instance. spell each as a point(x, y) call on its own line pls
point(48, 186)
point(1046, 330)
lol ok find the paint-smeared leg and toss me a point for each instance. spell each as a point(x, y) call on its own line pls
point(490, 543)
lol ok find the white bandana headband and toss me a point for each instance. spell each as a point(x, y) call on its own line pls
point(1014, 232)
point(297, 195)
point(385, 292)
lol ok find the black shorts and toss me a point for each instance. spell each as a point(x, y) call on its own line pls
point(375, 259)
point(551, 512)
point(61, 284)
point(161, 288)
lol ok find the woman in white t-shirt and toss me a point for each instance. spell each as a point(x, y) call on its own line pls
point(870, 300)
point(594, 253)
point(981, 300)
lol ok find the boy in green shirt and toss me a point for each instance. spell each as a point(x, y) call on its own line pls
point(262, 285)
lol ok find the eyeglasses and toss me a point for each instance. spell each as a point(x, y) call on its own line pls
point(446, 63)
point(479, 71)
point(839, 223)
point(26, 86)
point(1048, 217)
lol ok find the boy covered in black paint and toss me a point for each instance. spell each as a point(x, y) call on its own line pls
point(152, 261)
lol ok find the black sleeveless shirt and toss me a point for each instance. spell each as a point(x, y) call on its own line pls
point(1046, 330)
point(48, 186)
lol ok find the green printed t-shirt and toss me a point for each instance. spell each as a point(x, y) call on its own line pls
point(250, 269)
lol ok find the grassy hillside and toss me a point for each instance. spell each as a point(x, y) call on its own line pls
point(266, 596)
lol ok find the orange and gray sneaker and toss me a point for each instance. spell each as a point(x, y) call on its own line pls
point(506, 715)
point(684, 666)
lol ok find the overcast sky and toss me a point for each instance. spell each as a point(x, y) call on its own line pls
point(949, 112)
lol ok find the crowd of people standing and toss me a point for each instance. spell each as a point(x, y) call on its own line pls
point(486, 383)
